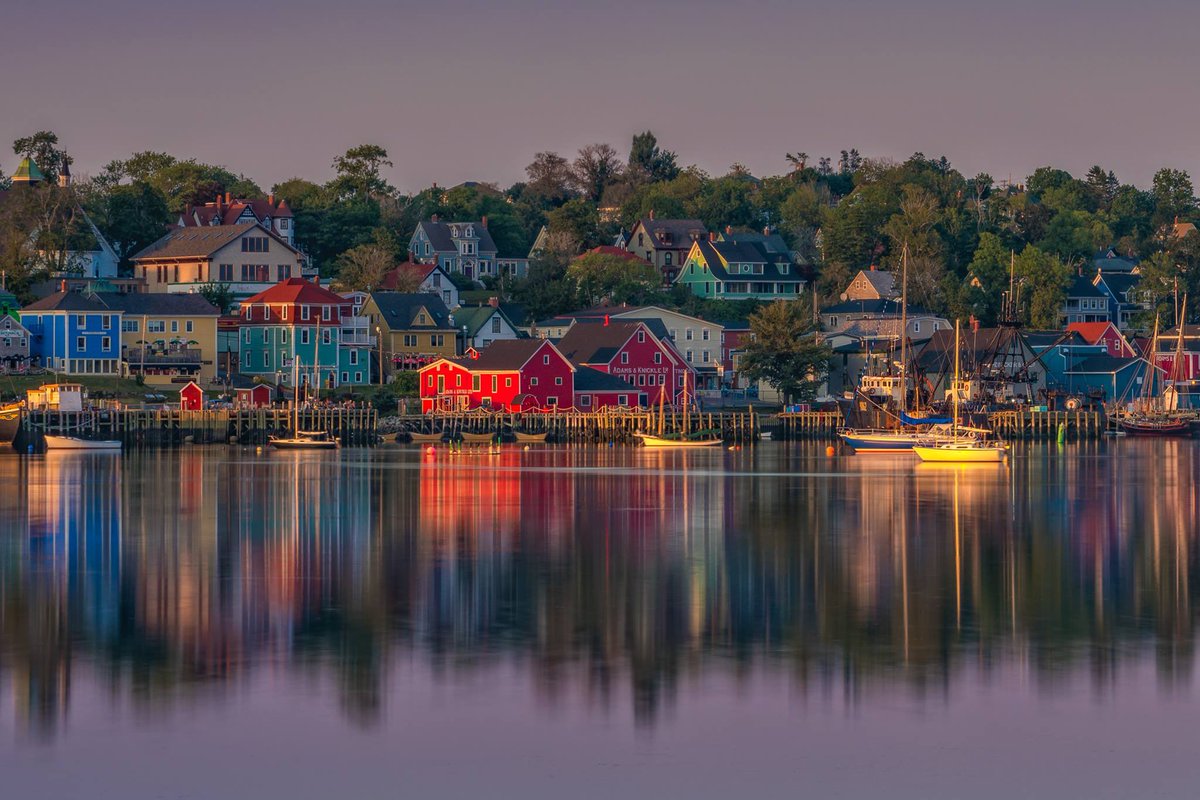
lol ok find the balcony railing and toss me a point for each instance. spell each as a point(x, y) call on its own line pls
point(161, 357)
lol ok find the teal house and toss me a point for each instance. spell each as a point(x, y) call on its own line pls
point(297, 319)
point(739, 270)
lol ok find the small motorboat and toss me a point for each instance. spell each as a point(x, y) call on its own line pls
point(662, 441)
point(305, 440)
point(75, 443)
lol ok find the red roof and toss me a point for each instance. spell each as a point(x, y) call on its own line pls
point(262, 208)
point(1090, 331)
point(297, 290)
point(392, 278)
point(609, 250)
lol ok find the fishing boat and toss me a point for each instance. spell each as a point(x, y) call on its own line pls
point(302, 440)
point(530, 438)
point(54, 442)
point(977, 447)
point(10, 422)
point(1153, 415)
point(1155, 425)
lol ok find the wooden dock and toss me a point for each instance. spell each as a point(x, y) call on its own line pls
point(1044, 425)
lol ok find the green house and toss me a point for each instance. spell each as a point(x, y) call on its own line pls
point(739, 271)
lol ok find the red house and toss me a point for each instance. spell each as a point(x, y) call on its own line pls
point(595, 389)
point(734, 338)
point(508, 375)
point(255, 396)
point(1107, 334)
point(1168, 344)
point(191, 397)
point(633, 351)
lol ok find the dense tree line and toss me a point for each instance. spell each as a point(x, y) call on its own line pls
point(966, 237)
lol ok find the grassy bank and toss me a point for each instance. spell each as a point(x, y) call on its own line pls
point(13, 387)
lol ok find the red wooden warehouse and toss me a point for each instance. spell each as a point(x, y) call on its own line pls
point(512, 375)
point(632, 350)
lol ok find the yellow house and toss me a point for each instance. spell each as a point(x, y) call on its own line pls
point(166, 338)
point(246, 257)
point(415, 329)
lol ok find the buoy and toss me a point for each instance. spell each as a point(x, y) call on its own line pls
point(830, 451)
point(526, 447)
point(258, 449)
point(429, 450)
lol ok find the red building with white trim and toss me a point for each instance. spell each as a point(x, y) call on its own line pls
point(633, 351)
point(508, 375)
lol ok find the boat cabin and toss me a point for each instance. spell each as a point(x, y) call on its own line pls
point(69, 397)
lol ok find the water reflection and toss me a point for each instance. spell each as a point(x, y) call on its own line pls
point(601, 574)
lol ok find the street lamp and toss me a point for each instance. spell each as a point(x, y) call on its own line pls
point(379, 336)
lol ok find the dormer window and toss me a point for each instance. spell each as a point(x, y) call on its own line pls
point(470, 231)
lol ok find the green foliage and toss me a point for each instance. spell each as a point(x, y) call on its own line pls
point(1044, 281)
point(358, 172)
point(364, 267)
point(219, 294)
point(43, 148)
point(650, 163)
point(133, 217)
point(601, 276)
point(784, 353)
point(579, 219)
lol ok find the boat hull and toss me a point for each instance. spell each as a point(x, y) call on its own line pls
point(72, 443)
point(961, 454)
point(1156, 429)
point(656, 441)
point(530, 438)
point(881, 442)
point(478, 438)
point(10, 424)
point(303, 444)
point(426, 438)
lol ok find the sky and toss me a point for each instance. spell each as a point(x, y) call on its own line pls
point(470, 90)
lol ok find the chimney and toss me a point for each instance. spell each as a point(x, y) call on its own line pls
point(605, 320)
point(228, 198)
point(494, 301)
point(483, 222)
point(652, 213)
point(766, 230)
point(728, 229)
point(271, 200)
point(872, 268)
point(434, 218)
point(63, 285)
point(712, 236)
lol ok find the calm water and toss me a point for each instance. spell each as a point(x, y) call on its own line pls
point(599, 623)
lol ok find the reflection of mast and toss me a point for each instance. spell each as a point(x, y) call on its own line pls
point(957, 557)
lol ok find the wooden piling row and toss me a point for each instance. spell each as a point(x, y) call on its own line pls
point(1044, 425)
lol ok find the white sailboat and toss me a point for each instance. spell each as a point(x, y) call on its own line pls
point(975, 448)
point(301, 440)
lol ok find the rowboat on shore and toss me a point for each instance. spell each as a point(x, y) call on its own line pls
point(75, 443)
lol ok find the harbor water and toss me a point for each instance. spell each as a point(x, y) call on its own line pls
point(592, 622)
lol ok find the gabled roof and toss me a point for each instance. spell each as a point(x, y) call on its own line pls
point(165, 304)
point(1118, 282)
point(882, 282)
point(610, 250)
point(1040, 340)
point(717, 254)
point(771, 242)
point(1091, 331)
point(505, 355)
point(228, 213)
point(419, 271)
point(1083, 287)
point(199, 242)
point(475, 317)
point(977, 347)
point(593, 380)
point(1102, 364)
point(67, 301)
point(439, 236)
point(672, 234)
point(1109, 261)
point(400, 309)
point(597, 344)
point(297, 290)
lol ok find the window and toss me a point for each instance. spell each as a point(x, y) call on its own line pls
point(80, 343)
point(641, 242)
point(156, 326)
point(508, 383)
point(304, 311)
point(496, 324)
point(667, 259)
point(624, 358)
point(326, 313)
point(79, 321)
point(641, 380)
point(585, 401)
point(283, 336)
point(475, 383)
point(225, 272)
point(130, 325)
point(267, 359)
point(546, 360)
point(916, 327)
point(689, 356)
point(438, 340)
point(495, 383)
point(246, 336)
point(246, 359)
point(641, 336)
point(304, 336)
point(106, 322)
point(558, 381)
point(266, 335)
point(174, 326)
point(284, 271)
point(353, 358)
point(532, 382)
point(255, 244)
point(358, 377)
point(345, 377)
point(622, 399)
point(673, 336)
point(704, 356)
point(688, 334)
point(704, 334)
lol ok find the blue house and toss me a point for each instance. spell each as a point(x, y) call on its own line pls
point(1124, 304)
point(74, 333)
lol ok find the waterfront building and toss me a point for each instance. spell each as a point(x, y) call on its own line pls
point(735, 335)
point(1168, 346)
point(595, 390)
point(296, 318)
point(228, 210)
point(665, 243)
point(739, 270)
point(510, 375)
point(635, 351)
point(74, 334)
point(415, 328)
point(166, 338)
point(246, 257)
point(1106, 333)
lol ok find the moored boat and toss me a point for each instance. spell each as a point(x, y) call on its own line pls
point(978, 452)
point(426, 438)
point(305, 440)
point(878, 440)
point(530, 438)
point(1163, 425)
point(54, 442)
point(663, 441)
point(10, 422)
point(478, 438)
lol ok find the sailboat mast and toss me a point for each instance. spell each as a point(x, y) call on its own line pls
point(904, 329)
point(957, 377)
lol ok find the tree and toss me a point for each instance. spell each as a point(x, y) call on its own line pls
point(579, 219)
point(648, 162)
point(43, 148)
point(219, 294)
point(784, 353)
point(1174, 196)
point(545, 290)
point(1043, 282)
point(601, 276)
point(798, 161)
point(358, 172)
point(364, 267)
point(550, 178)
point(134, 216)
point(595, 169)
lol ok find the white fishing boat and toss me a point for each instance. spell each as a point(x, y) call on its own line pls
point(75, 443)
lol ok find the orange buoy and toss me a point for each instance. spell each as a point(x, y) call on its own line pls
point(429, 450)
point(830, 451)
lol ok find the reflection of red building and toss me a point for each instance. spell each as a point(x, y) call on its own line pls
point(630, 350)
point(512, 375)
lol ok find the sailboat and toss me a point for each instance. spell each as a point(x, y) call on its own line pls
point(678, 439)
point(893, 440)
point(301, 440)
point(975, 447)
point(1150, 418)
